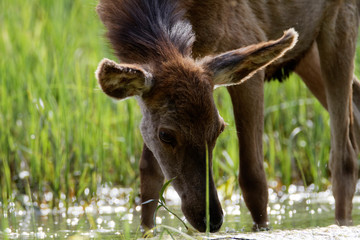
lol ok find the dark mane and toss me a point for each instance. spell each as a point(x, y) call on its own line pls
point(141, 30)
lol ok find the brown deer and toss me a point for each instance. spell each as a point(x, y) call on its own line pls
point(174, 53)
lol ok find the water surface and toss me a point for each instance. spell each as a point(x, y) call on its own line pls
point(111, 218)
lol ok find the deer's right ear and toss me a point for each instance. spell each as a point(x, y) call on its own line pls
point(122, 80)
point(236, 66)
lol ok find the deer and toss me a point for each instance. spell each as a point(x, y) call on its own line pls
point(174, 53)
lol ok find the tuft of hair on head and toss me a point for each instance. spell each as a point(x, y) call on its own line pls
point(140, 30)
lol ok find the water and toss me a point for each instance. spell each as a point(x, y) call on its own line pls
point(111, 218)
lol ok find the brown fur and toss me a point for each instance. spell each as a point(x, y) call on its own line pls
point(177, 52)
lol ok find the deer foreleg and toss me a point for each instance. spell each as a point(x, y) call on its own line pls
point(152, 179)
point(248, 104)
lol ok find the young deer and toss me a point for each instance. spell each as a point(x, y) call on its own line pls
point(175, 52)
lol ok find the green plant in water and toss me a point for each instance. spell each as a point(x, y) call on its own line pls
point(161, 204)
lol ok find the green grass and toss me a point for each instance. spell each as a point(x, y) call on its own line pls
point(59, 127)
point(54, 121)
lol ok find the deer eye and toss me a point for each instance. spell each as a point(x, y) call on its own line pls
point(167, 137)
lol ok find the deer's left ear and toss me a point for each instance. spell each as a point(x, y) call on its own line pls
point(123, 80)
point(234, 67)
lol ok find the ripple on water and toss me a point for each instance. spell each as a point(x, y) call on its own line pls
point(294, 207)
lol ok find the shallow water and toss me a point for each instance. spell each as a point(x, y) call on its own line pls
point(110, 217)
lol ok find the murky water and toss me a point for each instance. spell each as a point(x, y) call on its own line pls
point(110, 218)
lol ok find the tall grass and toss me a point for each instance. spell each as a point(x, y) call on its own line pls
point(62, 134)
point(54, 122)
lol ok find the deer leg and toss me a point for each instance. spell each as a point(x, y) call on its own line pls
point(337, 52)
point(152, 179)
point(248, 105)
point(309, 70)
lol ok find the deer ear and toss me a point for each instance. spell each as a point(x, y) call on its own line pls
point(234, 67)
point(122, 80)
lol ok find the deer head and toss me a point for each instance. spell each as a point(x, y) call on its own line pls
point(180, 120)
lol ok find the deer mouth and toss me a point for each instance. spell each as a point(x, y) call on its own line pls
point(196, 215)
